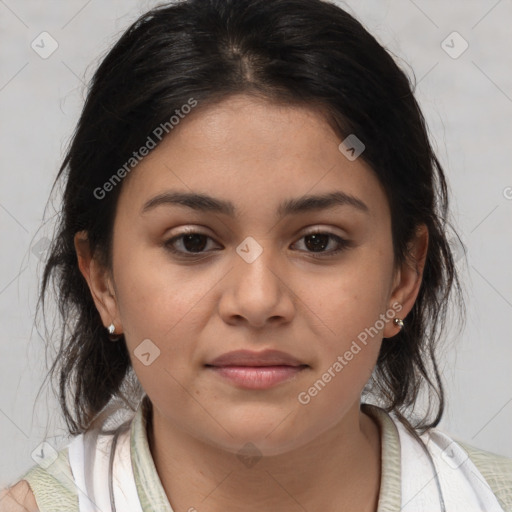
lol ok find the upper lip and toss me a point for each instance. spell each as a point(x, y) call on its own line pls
point(249, 358)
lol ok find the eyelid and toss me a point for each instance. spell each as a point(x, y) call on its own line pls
point(168, 244)
point(342, 242)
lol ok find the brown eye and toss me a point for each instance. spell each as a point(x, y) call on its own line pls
point(318, 241)
point(195, 243)
point(191, 243)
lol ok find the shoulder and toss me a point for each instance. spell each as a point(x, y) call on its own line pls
point(488, 459)
point(18, 498)
point(496, 469)
point(49, 488)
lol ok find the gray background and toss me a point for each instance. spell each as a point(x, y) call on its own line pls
point(467, 102)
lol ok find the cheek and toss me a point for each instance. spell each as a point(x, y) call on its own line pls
point(154, 294)
point(351, 305)
point(162, 303)
point(353, 296)
point(347, 350)
point(162, 309)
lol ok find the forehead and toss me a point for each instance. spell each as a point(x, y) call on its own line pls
point(254, 154)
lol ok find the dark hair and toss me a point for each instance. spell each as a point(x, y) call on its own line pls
point(298, 52)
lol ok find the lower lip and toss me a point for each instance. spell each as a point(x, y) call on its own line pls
point(257, 377)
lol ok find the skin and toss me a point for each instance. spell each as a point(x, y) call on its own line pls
point(18, 498)
point(256, 154)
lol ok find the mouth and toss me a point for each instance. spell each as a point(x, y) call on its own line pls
point(256, 370)
point(257, 377)
point(261, 359)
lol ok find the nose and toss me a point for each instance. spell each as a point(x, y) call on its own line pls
point(257, 292)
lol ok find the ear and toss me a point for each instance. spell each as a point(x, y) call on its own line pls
point(407, 279)
point(99, 280)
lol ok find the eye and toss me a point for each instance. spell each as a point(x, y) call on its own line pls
point(195, 242)
point(316, 241)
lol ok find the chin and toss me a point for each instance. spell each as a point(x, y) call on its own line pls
point(263, 439)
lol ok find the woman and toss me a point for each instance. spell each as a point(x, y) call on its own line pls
point(252, 256)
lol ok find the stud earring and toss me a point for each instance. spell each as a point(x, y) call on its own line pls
point(399, 322)
point(112, 336)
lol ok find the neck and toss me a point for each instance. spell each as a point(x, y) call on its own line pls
point(339, 470)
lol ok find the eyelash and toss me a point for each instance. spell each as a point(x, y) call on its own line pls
point(342, 244)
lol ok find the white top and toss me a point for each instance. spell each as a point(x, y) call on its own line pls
point(437, 476)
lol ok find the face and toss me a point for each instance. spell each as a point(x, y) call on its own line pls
point(254, 268)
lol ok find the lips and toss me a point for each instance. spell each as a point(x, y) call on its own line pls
point(256, 370)
point(255, 359)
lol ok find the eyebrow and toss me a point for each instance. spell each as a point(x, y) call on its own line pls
point(206, 203)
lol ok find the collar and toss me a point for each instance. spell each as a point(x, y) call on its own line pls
point(152, 495)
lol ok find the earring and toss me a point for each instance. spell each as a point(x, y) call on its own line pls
point(399, 322)
point(111, 333)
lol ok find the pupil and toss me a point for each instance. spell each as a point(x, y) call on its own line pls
point(196, 243)
point(319, 240)
point(194, 246)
